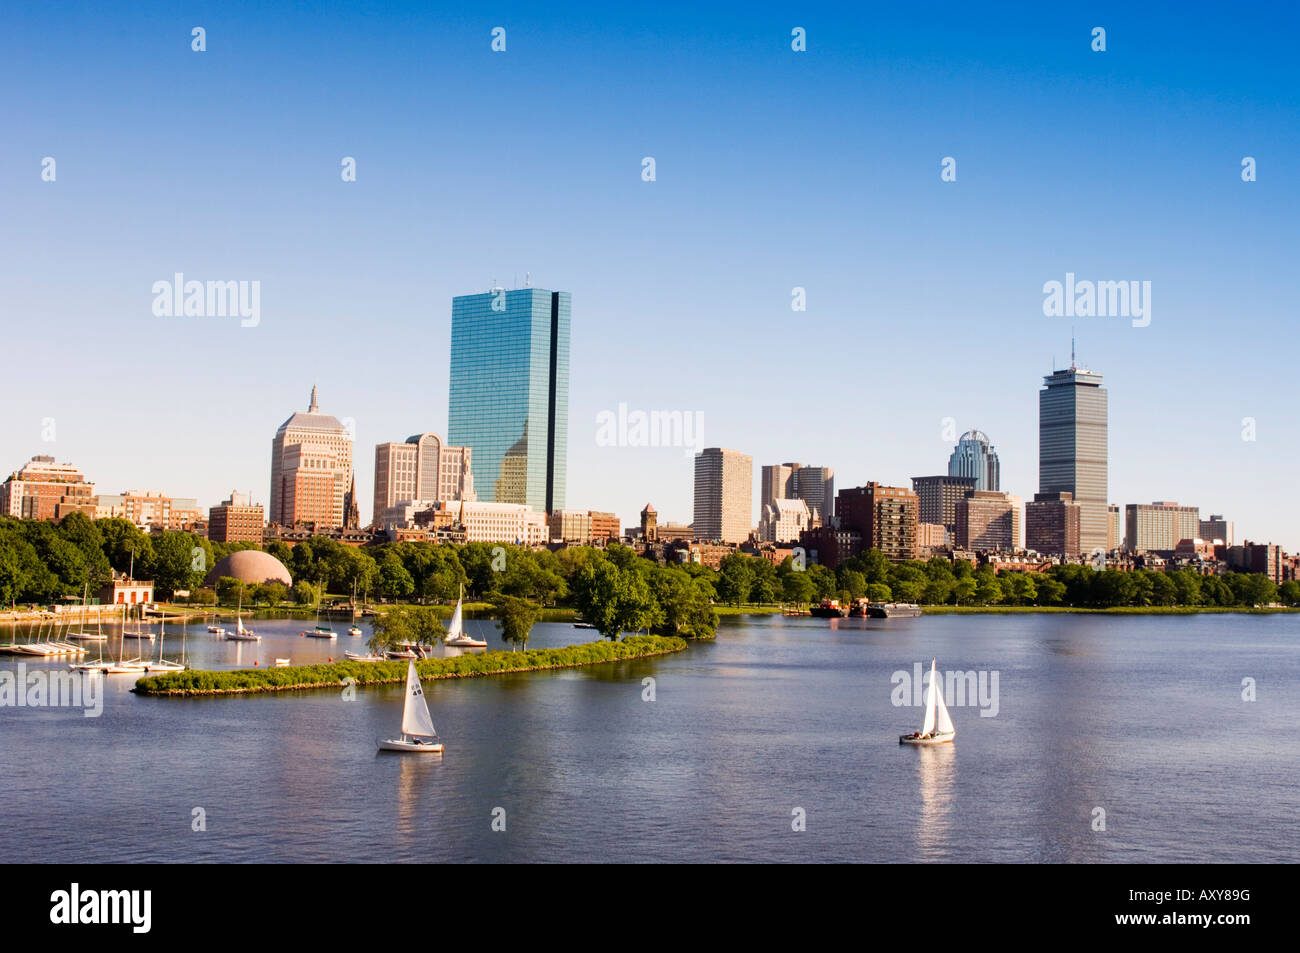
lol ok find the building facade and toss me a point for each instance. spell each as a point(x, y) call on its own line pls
point(795, 481)
point(724, 493)
point(235, 520)
point(509, 393)
point(1052, 523)
point(422, 468)
point(1072, 448)
point(311, 465)
point(886, 517)
point(975, 457)
point(988, 521)
point(46, 490)
point(1158, 527)
point(783, 520)
point(938, 496)
point(1216, 528)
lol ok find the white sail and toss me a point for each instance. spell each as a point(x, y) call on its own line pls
point(415, 717)
point(942, 723)
point(454, 626)
point(239, 625)
point(928, 725)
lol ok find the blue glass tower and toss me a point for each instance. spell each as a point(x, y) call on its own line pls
point(975, 457)
point(509, 397)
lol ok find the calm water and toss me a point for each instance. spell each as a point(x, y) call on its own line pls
point(1141, 716)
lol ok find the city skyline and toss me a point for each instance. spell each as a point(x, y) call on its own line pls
point(845, 202)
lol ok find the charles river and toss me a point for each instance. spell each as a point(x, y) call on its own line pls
point(779, 723)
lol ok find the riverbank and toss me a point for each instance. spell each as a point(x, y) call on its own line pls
point(1113, 610)
point(333, 675)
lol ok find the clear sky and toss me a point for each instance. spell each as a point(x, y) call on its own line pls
point(774, 169)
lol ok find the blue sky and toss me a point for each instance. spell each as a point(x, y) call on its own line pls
point(775, 169)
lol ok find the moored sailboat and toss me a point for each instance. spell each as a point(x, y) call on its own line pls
point(456, 630)
point(937, 728)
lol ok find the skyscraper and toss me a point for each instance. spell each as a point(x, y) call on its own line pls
point(1072, 448)
point(311, 464)
point(422, 468)
point(886, 517)
point(938, 496)
point(794, 481)
point(724, 501)
point(509, 393)
point(975, 457)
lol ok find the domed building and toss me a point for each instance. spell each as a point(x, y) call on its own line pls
point(251, 566)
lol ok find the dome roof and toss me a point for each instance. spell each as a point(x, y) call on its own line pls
point(250, 566)
point(974, 436)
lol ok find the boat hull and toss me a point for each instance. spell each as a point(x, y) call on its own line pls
point(893, 611)
point(933, 740)
point(410, 747)
point(467, 643)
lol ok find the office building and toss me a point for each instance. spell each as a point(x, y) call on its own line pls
point(724, 493)
point(886, 517)
point(1159, 527)
point(1216, 528)
point(975, 457)
point(235, 520)
point(45, 490)
point(311, 465)
point(1072, 448)
point(783, 520)
point(422, 468)
point(938, 496)
point(509, 393)
point(988, 521)
point(1052, 525)
point(795, 481)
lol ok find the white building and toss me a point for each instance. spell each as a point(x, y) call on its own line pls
point(783, 520)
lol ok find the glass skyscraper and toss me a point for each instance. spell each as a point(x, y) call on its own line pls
point(509, 393)
point(975, 457)
point(1072, 448)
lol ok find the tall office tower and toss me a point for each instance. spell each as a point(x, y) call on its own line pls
point(311, 463)
point(509, 393)
point(1216, 527)
point(1072, 448)
point(886, 518)
point(794, 481)
point(724, 488)
point(423, 468)
point(1159, 527)
point(938, 496)
point(975, 457)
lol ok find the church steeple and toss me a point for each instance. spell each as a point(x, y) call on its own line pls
point(314, 408)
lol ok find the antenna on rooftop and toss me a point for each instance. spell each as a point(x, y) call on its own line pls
point(1071, 348)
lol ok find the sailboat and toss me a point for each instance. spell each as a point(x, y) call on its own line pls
point(124, 666)
point(456, 630)
point(164, 665)
point(99, 667)
point(418, 734)
point(937, 728)
point(83, 635)
point(241, 634)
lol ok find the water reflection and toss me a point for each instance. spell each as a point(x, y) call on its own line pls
point(936, 773)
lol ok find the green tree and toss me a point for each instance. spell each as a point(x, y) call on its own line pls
point(515, 618)
point(614, 600)
point(736, 578)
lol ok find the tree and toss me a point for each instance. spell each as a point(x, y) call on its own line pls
point(614, 600)
point(417, 625)
point(685, 609)
point(736, 578)
point(515, 618)
point(394, 581)
point(305, 594)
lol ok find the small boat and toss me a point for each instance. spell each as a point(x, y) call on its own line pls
point(218, 630)
point(398, 654)
point(281, 663)
point(937, 729)
point(583, 625)
point(456, 631)
point(829, 609)
point(321, 632)
point(241, 634)
point(418, 733)
point(355, 632)
point(893, 610)
point(164, 665)
point(357, 657)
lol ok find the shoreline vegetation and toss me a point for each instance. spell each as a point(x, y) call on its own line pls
point(197, 682)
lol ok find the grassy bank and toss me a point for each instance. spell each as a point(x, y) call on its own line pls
point(1114, 610)
point(295, 677)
